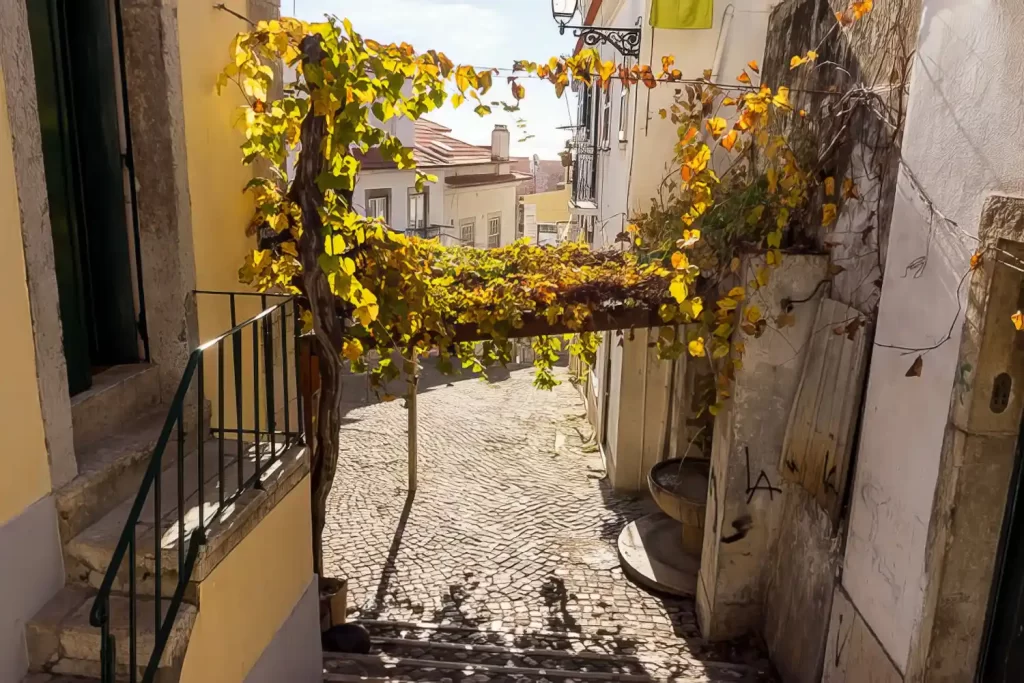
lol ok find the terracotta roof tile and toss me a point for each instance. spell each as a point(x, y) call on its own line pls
point(434, 147)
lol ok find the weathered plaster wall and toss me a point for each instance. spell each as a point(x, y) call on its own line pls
point(155, 99)
point(26, 474)
point(745, 499)
point(30, 214)
point(967, 52)
point(805, 567)
point(30, 563)
point(852, 653)
point(251, 595)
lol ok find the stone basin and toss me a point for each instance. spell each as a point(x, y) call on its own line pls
point(680, 488)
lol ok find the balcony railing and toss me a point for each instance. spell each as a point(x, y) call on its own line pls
point(259, 359)
point(584, 174)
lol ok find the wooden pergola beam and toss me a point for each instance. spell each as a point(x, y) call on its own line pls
point(600, 321)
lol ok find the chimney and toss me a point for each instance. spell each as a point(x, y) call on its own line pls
point(499, 143)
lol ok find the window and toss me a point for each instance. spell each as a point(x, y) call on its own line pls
point(623, 112)
point(467, 230)
point(520, 221)
point(418, 207)
point(378, 204)
point(494, 231)
point(548, 228)
point(605, 117)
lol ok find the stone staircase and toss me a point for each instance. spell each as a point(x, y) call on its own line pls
point(117, 426)
point(413, 652)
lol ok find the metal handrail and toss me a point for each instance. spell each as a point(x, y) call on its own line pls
point(99, 615)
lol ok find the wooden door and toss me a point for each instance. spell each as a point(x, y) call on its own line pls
point(76, 87)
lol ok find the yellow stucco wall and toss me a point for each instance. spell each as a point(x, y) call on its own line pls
point(220, 209)
point(26, 473)
point(250, 594)
point(552, 207)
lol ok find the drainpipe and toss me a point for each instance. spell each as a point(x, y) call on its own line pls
point(723, 36)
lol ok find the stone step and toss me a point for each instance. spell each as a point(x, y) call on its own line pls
point(386, 666)
point(500, 655)
point(527, 648)
point(61, 640)
point(111, 469)
point(88, 554)
point(56, 678)
point(116, 397)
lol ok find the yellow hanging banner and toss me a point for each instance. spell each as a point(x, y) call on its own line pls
point(682, 13)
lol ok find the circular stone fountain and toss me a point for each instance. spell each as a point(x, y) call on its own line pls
point(662, 550)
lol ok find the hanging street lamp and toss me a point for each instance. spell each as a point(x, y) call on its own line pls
point(625, 40)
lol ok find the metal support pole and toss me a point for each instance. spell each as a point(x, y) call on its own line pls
point(413, 372)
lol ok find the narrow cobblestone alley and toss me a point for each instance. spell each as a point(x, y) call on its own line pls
point(511, 535)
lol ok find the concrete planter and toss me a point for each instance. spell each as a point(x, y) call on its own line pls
point(680, 489)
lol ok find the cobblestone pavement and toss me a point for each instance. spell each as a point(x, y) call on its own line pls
point(512, 528)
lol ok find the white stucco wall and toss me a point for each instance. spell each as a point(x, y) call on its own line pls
point(962, 143)
point(740, 38)
point(630, 173)
point(479, 203)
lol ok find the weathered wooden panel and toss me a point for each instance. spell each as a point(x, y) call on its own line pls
point(816, 452)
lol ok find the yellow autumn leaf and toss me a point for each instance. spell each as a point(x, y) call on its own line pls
point(861, 7)
point(366, 314)
point(352, 349)
point(811, 55)
point(830, 186)
point(737, 293)
point(734, 265)
point(696, 347)
point(752, 314)
point(763, 277)
point(781, 99)
point(753, 66)
point(679, 260)
point(728, 102)
point(828, 214)
point(727, 304)
point(729, 141)
point(716, 126)
point(773, 180)
point(743, 78)
point(692, 308)
point(689, 135)
point(774, 239)
point(678, 290)
point(976, 260)
point(796, 61)
point(690, 238)
point(1018, 320)
point(723, 331)
point(769, 258)
point(721, 350)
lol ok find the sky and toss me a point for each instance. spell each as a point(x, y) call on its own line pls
point(478, 32)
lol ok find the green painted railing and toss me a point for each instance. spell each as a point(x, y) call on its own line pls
point(253, 337)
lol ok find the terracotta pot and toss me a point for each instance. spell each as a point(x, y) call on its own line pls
point(681, 491)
